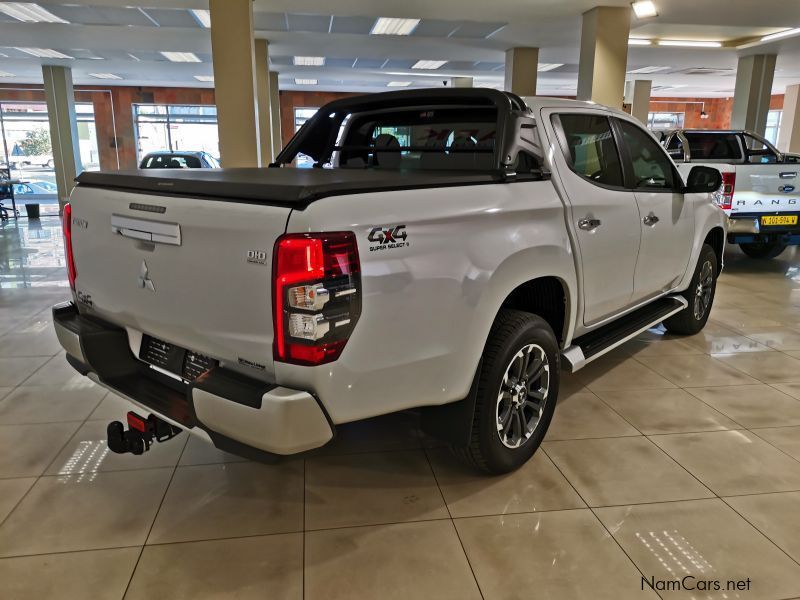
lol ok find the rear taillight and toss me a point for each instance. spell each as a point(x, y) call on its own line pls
point(316, 296)
point(67, 225)
point(724, 196)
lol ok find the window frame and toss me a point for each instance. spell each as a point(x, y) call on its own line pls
point(558, 127)
point(628, 170)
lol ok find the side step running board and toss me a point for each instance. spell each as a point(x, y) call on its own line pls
point(600, 341)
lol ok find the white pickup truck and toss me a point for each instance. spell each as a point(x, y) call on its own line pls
point(761, 186)
point(450, 252)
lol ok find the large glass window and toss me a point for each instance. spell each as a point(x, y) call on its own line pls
point(663, 121)
point(773, 126)
point(592, 150)
point(651, 167)
point(301, 115)
point(176, 127)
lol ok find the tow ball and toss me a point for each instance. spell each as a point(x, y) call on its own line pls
point(140, 434)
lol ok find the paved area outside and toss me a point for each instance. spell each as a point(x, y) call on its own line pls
point(670, 457)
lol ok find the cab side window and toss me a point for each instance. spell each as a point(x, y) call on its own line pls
point(652, 169)
point(675, 147)
point(592, 150)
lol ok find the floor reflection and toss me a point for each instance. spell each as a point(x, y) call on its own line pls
point(32, 254)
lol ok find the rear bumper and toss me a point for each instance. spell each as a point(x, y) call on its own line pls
point(748, 230)
point(239, 414)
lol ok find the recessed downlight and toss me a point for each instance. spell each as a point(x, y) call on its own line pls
point(398, 84)
point(690, 43)
point(305, 82)
point(309, 61)
point(428, 64)
point(181, 56)
point(104, 76)
point(206, 78)
point(29, 12)
point(639, 42)
point(644, 9)
point(781, 34)
point(544, 67)
point(44, 53)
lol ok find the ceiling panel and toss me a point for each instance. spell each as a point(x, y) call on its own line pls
point(484, 65)
point(399, 64)
point(95, 15)
point(369, 63)
point(269, 21)
point(167, 17)
point(314, 23)
point(281, 60)
point(476, 30)
point(362, 25)
point(435, 28)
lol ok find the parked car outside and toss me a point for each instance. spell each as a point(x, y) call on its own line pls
point(166, 159)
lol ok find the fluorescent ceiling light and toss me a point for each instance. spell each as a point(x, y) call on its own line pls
point(780, 34)
point(644, 9)
point(29, 12)
point(6, 74)
point(43, 53)
point(203, 16)
point(543, 67)
point(428, 64)
point(398, 84)
point(204, 77)
point(648, 69)
point(690, 43)
point(305, 82)
point(639, 42)
point(104, 76)
point(391, 26)
point(309, 61)
point(181, 56)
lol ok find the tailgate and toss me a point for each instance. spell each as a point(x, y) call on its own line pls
point(766, 188)
point(194, 273)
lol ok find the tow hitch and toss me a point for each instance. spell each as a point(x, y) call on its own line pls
point(140, 434)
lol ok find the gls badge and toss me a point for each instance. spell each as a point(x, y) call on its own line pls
point(393, 236)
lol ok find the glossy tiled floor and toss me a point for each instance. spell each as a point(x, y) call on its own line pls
point(670, 457)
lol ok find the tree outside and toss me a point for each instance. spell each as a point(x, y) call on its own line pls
point(36, 143)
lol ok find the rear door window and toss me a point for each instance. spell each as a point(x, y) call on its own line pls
point(714, 146)
point(592, 151)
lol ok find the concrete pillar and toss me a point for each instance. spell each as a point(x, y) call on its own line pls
point(60, 97)
point(789, 133)
point(604, 55)
point(522, 70)
point(461, 82)
point(232, 49)
point(263, 99)
point(275, 106)
point(753, 90)
point(637, 94)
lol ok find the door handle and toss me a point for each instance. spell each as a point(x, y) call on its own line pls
point(650, 220)
point(788, 175)
point(589, 224)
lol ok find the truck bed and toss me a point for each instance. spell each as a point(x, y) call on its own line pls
point(289, 187)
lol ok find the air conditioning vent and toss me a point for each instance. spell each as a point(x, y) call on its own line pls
point(708, 71)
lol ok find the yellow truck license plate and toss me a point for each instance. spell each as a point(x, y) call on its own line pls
point(779, 220)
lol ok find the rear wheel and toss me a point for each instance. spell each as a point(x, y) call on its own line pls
point(700, 296)
point(517, 392)
point(763, 250)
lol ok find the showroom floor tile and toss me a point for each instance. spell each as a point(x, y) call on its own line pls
point(694, 441)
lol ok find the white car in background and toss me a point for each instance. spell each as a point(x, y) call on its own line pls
point(761, 186)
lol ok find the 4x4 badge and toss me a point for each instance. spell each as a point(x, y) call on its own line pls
point(144, 279)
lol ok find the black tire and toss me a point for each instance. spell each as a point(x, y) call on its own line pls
point(699, 294)
point(763, 250)
point(512, 333)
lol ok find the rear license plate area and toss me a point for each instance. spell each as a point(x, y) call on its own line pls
point(179, 361)
point(779, 220)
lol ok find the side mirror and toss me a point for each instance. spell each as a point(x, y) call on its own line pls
point(703, 180)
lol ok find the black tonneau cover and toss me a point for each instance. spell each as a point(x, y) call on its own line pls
point(295, 188)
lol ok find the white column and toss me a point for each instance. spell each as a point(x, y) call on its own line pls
point(60, 96)
point(232, 46)
point(264, 102)
point(637, 94)
point(789, 134)
point(604, 55)
point(275, 106)
point(461, 82)
point(522, 71)
point(753, 91)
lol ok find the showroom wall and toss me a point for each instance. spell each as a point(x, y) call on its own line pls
point(116, 137)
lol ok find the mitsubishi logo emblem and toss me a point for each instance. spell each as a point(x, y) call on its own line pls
point(144, 279)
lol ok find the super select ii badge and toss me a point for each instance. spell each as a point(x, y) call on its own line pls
point(388, 237)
